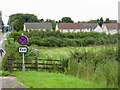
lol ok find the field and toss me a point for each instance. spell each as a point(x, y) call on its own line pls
point(97, 68)
point(98, 63)
point(64, 52)
point(33, 79)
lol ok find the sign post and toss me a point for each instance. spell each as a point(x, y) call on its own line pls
point(23, 68)
point(23, 40)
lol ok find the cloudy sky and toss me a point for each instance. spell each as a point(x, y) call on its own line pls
point(78, 10)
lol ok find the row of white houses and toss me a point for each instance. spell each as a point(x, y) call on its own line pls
point(109, 28)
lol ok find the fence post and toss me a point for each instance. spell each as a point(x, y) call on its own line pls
point(9, 63)
point(36, 64)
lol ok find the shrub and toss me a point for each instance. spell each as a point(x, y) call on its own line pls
point(100, 66)
point(58, 39)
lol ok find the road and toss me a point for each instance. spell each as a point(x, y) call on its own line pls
point(7, 82)
point(2, 44)
point(10, 82)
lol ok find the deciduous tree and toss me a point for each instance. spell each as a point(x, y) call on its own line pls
point(67, 20)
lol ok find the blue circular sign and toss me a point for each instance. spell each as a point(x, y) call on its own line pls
point(23, 40)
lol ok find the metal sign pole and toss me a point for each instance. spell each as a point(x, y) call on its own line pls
point(23, 40)
point(23, 67)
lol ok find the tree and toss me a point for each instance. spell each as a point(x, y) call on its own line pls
point(18, 24)
point(110, 21)
point(113, 21)
point(100, 22)
point(53, 22)
point(41, 20)
point(92, 21)
point(67, 20)
point(59, 21)
point(107, 20)
point(19, 19)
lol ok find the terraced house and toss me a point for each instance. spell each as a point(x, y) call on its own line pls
point(92, 27)
point(78, 27)
point(70, 27)
point(110, 28)
point(37, 26)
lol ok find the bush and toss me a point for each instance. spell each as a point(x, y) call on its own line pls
point(15, 35)
point(100, 66)
point(57, 39)
point(6, 73)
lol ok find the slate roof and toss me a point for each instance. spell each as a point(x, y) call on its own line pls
point(90, 25)
point(38, 25)
point(70, 26)
point(110, 26)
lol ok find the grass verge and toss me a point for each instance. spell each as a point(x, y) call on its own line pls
point(34, 79)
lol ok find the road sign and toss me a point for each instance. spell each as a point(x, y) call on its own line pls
point(22, 49)
point(23, 40)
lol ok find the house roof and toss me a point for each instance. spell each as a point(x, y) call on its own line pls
point(38, 25)
point(90, 25)
point(110, 26)
point(118, 25)
point(70, 26)
point(77, 25)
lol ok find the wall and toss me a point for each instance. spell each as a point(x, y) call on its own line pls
point(113, 31)
point(70, 30)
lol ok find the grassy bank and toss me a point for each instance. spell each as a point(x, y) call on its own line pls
point(34, 79)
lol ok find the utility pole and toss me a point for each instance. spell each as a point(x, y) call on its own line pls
point(8, 22)
point(12, 26)
point(119, 44)
point(0, 20)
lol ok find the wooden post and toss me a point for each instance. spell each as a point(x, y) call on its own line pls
point(9, 63)
point(36, 64)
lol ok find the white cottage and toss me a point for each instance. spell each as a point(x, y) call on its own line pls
point(69, 27)
point(92, 27)
point(78, 27)
point(37, 26)
point(110, 28)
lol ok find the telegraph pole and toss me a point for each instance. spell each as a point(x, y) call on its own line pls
point(119, 44)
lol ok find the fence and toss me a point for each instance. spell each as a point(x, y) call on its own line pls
point(34, 64)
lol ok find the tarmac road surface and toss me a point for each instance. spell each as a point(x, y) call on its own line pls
point(10, 82)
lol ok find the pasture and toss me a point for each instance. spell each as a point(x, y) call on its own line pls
point(60, 53)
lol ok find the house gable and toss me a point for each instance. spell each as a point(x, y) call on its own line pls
point(110, 28)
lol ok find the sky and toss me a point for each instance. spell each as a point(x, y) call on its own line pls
point(78, 10)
